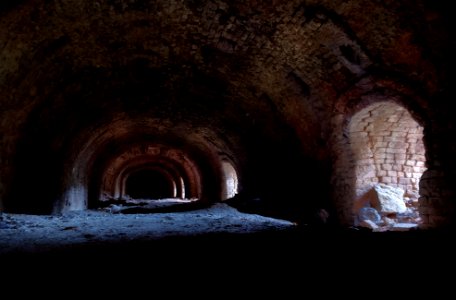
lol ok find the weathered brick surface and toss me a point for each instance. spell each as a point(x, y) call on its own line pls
point(271, 84)
point(381, 150)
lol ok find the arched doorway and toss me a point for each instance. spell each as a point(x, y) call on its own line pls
point(388, 160)
point(230, 180)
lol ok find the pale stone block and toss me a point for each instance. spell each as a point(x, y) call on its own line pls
point(387, 199)
point(390, 156)
point(385, 179)
point(381, 173)
point(408, 169)
point(417, 170)
point(379, 154)
point(417, 136)
point(399, 156)
point(420, 163)
point(397, 168)
point(386, 167)
point(416, 175)
point(410, 163)
point(404, 181)
point(398, 145)
point(392, 173)
point(399, 134)
point(380, 145)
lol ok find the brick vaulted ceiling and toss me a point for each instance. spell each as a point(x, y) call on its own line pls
point(254, 80)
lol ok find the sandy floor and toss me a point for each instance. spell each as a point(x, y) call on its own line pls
point(217, 245)
point(34, 233)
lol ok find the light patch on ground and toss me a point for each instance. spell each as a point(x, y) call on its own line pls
point(35, 233)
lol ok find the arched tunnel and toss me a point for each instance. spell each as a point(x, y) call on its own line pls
point(303, 107)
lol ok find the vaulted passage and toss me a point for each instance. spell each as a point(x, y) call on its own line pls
point(150, 184)
point(308, 111)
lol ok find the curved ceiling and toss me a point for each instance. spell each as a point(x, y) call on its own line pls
point(248, 80)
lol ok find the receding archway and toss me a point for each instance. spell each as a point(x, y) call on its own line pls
point(150, 172)
point(150, 184)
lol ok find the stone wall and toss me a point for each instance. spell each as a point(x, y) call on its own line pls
point(388, 147)
point(378, 138)
point(270, 84)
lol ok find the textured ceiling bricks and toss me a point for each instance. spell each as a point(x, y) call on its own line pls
point(271, 85)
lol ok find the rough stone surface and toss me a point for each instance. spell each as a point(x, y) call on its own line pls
point(388, 200)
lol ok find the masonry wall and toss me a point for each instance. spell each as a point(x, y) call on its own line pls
point(377, 139)
point(388, 148)
point(272, 85)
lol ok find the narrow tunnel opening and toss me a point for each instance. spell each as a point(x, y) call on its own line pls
point(149, 184)
point(389, 160)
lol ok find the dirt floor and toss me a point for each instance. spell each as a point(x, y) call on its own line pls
point(216, 245)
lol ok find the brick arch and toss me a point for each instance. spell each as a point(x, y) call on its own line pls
point(167, 189)
point(373, 89)
point(387, 145)
point(94, 150)
point(174, 172)
point(391, 152)
point(173, 161)
point(230, 179)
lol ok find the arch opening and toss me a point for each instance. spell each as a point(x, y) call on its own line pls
point(388, 161)
point(148, 172)
point(150, 184)
point(230, 180)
